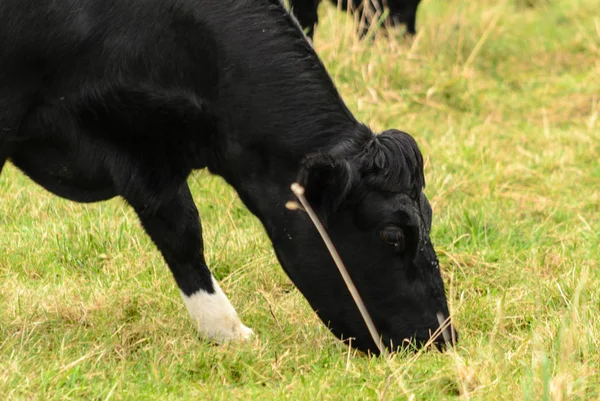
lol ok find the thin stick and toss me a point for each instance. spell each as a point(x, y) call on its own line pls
point(299, 192)
point(444, 324)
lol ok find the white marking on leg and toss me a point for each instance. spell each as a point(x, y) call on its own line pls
point(214, 316)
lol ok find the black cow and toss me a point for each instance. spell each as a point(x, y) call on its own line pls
point(400, 12)
point(105, 98)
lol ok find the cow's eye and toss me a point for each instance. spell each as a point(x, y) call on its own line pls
point(394, 236)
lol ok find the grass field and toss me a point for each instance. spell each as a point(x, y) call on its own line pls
point(504, 100)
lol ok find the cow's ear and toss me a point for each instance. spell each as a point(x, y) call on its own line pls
point(327, 182)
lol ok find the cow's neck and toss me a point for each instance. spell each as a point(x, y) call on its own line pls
point(275, 104)
point(272, 87)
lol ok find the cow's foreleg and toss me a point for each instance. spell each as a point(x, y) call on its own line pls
point(175, 228)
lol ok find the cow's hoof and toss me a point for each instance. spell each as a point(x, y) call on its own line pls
point(224, 331)
point(238, 332)
point(214, 316)
point(245, 332)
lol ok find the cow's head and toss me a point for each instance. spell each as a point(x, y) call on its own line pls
point(368, 193)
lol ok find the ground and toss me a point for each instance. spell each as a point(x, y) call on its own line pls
point(502, 96)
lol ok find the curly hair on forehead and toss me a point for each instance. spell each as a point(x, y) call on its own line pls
point(392, 161)
point(389, 162)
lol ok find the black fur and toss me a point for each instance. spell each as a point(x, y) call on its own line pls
point(400, 12)
point(390, 162)
point(104, 98)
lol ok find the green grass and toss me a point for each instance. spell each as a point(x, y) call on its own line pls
point(503, 98)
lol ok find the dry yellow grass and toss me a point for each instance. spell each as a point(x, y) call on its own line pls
point(504, 99)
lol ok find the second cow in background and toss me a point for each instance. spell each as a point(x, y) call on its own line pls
point(400, 12)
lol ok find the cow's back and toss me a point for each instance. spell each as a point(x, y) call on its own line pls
point(48, 49)
point(246, 61)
